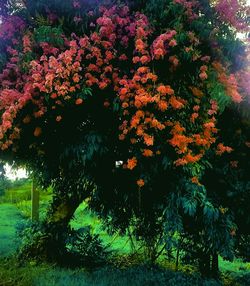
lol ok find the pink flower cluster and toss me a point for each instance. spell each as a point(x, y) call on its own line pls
point(214, 107)
point(10, 27)
point(233, 12)
point(117, 59)
point(162, 43)
point(229, 81)
point(189, 7)
point(27, 46)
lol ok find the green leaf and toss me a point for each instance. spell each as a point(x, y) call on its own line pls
point(166, 162)
point(210, 212)
point(189, 206)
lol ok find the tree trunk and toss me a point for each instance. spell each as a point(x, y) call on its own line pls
point(215, 266)
point(204, 265)
point(50, 244)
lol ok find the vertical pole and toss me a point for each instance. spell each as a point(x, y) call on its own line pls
point(34, 201)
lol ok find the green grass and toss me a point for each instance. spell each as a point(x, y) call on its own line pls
point(124, 272)
point(11, 274)
point(237, 266)
point(25, 205)
point(17, 193)
point(84, 217)
point(10, 216)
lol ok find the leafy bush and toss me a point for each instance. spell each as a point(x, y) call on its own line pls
point(87, 248)
point(26, 232)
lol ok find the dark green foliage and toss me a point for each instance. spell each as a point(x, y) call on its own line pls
point(228, 182)
point(48, 34)
point(85, 248)
point(243, 247)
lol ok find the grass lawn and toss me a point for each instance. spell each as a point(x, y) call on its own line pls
point(9, 217)
point(12, 274)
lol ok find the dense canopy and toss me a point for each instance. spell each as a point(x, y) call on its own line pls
point(131, 96)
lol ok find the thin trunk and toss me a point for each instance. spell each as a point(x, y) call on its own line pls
point(131, 240)
point(215, 266)
point(177, 259)
point(204, 265)
point(50, 245)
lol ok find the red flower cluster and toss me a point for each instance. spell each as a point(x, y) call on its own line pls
point(152, 111)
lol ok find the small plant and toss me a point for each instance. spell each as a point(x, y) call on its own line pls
point(87, 248)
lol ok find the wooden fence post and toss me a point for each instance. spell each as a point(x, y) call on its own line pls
point(34, 201)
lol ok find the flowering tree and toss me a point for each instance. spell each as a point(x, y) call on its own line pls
point(94, 94)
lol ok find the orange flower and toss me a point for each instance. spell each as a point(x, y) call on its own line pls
point(152, 76)
point(76, 78)
point(177, 128)
point(162, 89)
point(72, 89)
point(37, 131)
point(79, 101)
point(175, 103)
point(139, 44)
point(180, 162)
point(156, 124)
point(125, 105)
point(169, 90)
point(142, 69)
point(140, 183)
point(144, 59)
point(195, 180)
point(132, 163)
point(162, 105)
point(192, 158)
point(222, 149)
point(149, 140)
point(180, 142)
point(194, 116)
point(140, 113)
point(134, 121)
point(196, 92)
point(172, 43)
point(139, 130)
point(209, 125)
point(200, 141)
point(103, 85)
point(147, 153)
point(123, 91)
